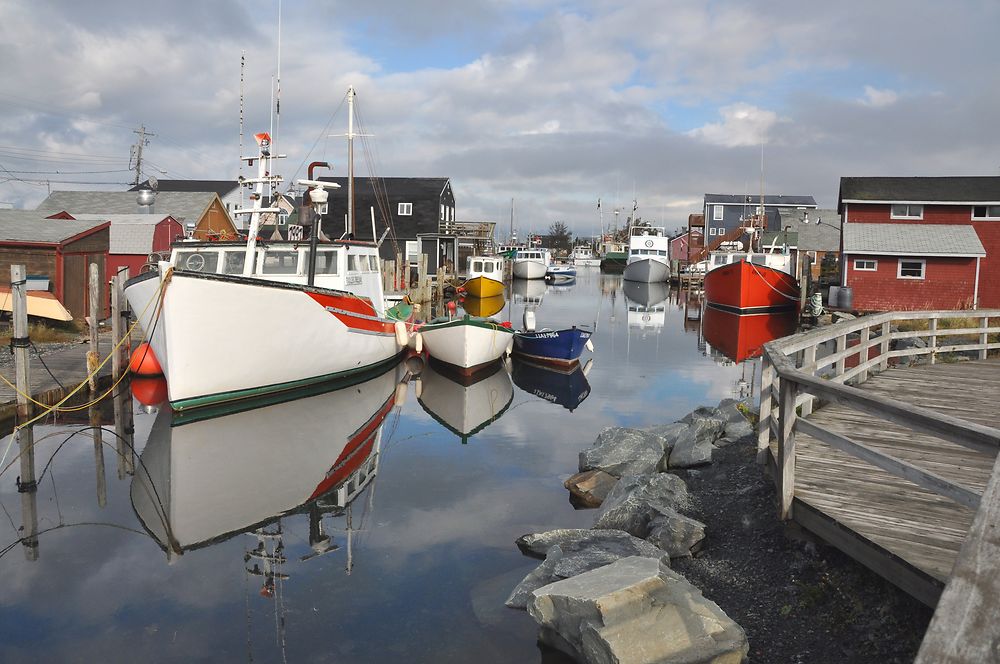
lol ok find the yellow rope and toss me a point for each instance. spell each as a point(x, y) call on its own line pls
point(58, 406)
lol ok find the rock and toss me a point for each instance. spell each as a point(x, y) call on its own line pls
point(637, 499)
point(591, 487)
point(573, 540)
point(542, 575)
point(694, 446)
point(619, 451)
point(634, 611)
point(736, 430)
point(667, 433)
point(676, 534)
point(910, 342)
point(701, 413)
point(838, 316)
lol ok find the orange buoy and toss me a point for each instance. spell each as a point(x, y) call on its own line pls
point(149, 391)
point(143, 362)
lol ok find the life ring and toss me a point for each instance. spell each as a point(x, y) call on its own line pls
point(649, 243)
point(195, 262)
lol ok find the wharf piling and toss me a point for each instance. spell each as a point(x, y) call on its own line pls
point(93, 355)
point(27, 485)
point(124, 427)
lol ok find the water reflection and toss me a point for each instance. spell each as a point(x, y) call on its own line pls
point(465, 405)
point(565, 387)
point(741, 337)
point(203, 481)
point(483, 307)
point(527, 291)
point(647, 309)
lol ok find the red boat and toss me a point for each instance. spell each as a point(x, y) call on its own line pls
point(751, 283)
point(742, 337)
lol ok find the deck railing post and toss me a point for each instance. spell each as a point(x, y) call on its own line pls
point(841, 347)
point(883, 348)
point(786, 447)
point(808, 362)
point(764, 418)
point(932, 343)
point(984, 338)
point(864, 354)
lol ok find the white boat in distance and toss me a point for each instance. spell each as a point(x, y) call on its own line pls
point(230, 321)
point(532, 263)
point(647, 256)
point(583, 256)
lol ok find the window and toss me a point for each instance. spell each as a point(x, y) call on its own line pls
point(232, 262)
point(405, 210)
point(488, 266)
point(326, 262)
point(412, 251)
point(716, 213)
point(198, 261)
point(280, 262)
point(911, 268)
point(986, 212)
point(865, 264)
point(906, 211)
point(441, 216)
point(477, 266)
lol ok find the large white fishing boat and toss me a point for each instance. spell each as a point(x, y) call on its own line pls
point(531, 263)
point(230, 321)
point(648, 260)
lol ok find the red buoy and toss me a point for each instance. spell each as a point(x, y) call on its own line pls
point(149, 391)
point(143, 362)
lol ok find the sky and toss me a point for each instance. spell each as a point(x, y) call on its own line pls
point(551, 104)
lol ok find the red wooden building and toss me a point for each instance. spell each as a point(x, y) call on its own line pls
point(921, 242)
point(134, 237)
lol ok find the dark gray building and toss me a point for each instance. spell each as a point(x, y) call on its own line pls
point(726, 212)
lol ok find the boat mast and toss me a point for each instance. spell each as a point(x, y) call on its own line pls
point(350, 161)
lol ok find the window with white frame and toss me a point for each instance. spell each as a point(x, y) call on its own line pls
point(716, 213)
point(412, 251)
point(865, 264)
point(441, 216)
point(911, 268)
point(986, 212)
point(906, 211)
point(405, 210)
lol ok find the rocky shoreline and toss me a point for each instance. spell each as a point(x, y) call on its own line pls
point(687, 562)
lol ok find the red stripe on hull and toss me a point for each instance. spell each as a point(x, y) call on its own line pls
point(354, 304)
point(744, 285)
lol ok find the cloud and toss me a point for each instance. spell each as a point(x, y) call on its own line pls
point(742, 124)
point(878, 98)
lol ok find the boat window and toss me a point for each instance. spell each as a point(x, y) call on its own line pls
point(488, 266)
point(661, 252)
point(326, 262)
point(352, 263)
point(758, 259)
point(280, 262)
point(232, 262)
point(198, 261)
point(477, 266)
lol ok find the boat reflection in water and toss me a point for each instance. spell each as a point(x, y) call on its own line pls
point(559, 385)
point(483, 307)
point(646, 304)
point(201, 481)
point(465, 405)
point(527, 291)
point(741, 337)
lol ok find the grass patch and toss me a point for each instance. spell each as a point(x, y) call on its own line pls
point(44, 333)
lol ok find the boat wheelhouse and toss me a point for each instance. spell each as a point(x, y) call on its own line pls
point(648, 260)
point(532, 263)
point(583, 256)
point(485, 276)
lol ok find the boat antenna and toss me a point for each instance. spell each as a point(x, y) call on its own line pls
point(243, 66)
point(277, 99)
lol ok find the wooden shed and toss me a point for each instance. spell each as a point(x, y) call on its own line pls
point(61, 251)
point(134, 237)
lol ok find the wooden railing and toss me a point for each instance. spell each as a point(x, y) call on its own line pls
point(803, 371)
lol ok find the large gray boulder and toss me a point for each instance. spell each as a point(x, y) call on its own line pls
point(573, 540)
point(590, 488)
point(619, 451)
point(678, 535)
point(637, 499)
point(667, 433)
point(695, 445)
point(636, 611)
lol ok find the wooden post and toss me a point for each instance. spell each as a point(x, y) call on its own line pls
point(397, 276)
point(841, 346)
point(932, 343)
point(808, 365)
point(93, 356)
point(863, 354)
point(764, 418)
point(439, 295)
point(984, 337)
point(422, 296)
point(786, 447)
point(883, 349)
point(25, 437)
point(119, 360)
point(98, 434)
point(804, 278)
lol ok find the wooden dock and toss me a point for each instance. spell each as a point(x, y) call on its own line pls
point(903, 531)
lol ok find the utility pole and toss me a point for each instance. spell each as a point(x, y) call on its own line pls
point(135, 157)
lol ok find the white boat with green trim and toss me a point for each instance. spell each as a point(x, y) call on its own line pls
point(468, 343)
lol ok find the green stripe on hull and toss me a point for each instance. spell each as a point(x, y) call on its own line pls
point(485, 323)
point(225, 403)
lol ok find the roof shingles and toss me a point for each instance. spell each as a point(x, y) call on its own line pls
point(912, 240)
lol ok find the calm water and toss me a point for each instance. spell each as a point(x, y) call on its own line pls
point(221, 547)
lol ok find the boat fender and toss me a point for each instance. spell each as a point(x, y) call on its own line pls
point(418, 387)
point(401, 336)
point(143, 362)
point(590, 345)
point(400, 397)
point(587, 366)
point(529, 320)
point(418, 342)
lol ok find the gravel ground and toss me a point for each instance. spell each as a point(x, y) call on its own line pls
point(798, 599)
point(7, 358)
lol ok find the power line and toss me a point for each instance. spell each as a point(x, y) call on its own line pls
point(123, 170)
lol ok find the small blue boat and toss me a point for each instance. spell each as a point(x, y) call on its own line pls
point(560, 347)
point(559, 272)
point(567, 387)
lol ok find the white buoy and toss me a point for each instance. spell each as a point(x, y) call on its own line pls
point(590, 345)
point(401, 335)
point(400, 399)
point(418, 387)
point(418, 342)
point(586, 367)
point(529, 320)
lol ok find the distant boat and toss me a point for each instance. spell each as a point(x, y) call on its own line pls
point(465, 405)
point(647, 260)
point(41, 304)
point(483, 307)
point(615, 257)
point(565, 387)
point(741, 337)
point(485, 276)
point(531, 263)
point(560, 272)
point(560, 347)
point(583, 256)
point(468, 343)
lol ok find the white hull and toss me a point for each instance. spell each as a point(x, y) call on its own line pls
point(217, 339)
point(465, 409)
point(647, 271)
point(466, 345)
point(202, 481)
point(587, 262)
point(526, 269)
